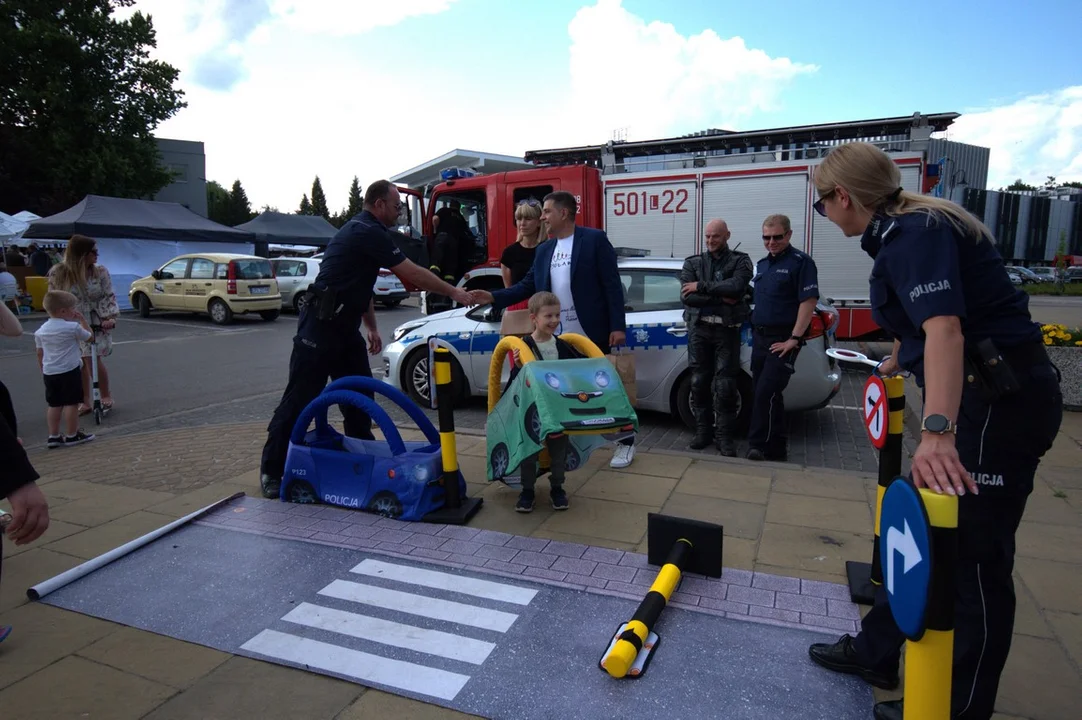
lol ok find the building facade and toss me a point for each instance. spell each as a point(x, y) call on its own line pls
point(188, 163)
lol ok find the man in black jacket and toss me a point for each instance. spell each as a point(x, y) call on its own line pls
point(714, 291)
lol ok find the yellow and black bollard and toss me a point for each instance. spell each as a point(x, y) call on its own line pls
point(687, 543)
point(929, 660)
point(456, 509)
point(865, 578)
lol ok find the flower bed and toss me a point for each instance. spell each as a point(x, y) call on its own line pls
point(1064, 346)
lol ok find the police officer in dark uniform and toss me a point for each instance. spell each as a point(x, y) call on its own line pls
point(714, 285)
point(992, 406)
point(786, 291)
point(328, 342)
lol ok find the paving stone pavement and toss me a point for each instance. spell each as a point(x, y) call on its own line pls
point(784, 526)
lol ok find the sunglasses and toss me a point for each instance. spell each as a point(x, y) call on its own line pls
point(775, 238)
point(528, 201)
point(819, 207)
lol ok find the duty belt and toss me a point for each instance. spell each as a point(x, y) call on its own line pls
point(717, 320)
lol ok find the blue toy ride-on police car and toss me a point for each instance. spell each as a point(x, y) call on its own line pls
point(391, 477)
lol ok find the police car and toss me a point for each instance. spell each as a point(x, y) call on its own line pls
point(656, 333)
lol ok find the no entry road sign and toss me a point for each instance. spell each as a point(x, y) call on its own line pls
point(875, 411)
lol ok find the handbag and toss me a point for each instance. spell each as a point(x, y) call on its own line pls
point(624, 362)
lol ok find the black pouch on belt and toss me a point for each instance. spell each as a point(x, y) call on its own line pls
point(327, 299)
point(993, 372)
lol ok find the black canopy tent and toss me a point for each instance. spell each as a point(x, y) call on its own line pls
point(287, 229)
point(135, 237)
point(124, 218)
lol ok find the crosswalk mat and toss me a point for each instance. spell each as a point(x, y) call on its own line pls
point(478, 643)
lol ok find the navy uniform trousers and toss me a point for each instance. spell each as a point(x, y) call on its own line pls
point(1000, 444)
point(309, 369)
point(770, 376)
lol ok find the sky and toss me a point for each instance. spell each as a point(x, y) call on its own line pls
point(280, 91)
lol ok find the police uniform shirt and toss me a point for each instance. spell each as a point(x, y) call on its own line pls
point(924, 268)
point(350, 266)
point(782, 282)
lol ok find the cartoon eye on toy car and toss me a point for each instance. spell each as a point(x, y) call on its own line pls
point(582, 397)
point(391, 477)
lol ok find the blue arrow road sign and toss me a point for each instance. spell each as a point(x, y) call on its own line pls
point(905, 552)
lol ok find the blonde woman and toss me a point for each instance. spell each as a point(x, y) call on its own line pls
point(992, 406)
point(517, 259)
point(80, 274)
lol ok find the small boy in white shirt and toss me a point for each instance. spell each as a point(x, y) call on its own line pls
point(61, 364)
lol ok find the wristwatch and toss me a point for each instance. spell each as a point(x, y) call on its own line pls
point(937, 425)
point(799, 340)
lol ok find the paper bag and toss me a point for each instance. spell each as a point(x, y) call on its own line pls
point(624, 362)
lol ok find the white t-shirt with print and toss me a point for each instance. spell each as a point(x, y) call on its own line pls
point(59, 343)
point(548, 349)
point(560, 269)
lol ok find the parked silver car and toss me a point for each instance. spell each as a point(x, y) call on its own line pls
point(294, 276)
point(656, 333)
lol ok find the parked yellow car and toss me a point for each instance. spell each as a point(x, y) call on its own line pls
point(219, 284)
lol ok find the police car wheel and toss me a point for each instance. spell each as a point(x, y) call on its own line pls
point(415, 378)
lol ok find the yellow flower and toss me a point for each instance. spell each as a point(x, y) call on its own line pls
point(1048, 341)
point(1078, 343)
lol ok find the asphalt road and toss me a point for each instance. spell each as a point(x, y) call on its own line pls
point(1058, 310)
point(178, 370)
point(175, 370)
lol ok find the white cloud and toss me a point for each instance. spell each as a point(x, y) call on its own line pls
point(650, 79)
point(1031, 138)
point(301, 108)
point(352, 17)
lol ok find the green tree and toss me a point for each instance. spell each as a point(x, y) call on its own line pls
point(319, 200)
point(1072, 184)
point(79, 99)
point(217, 203)
point(1019, 185)
point(306, 207)
point(240, 209)
point(269, 208)
point(356, 199)
point(1050, 182)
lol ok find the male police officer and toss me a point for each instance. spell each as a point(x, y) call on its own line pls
point(786, 290)
point(714, 286)
point(328, 340)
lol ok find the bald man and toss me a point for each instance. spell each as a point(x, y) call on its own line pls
point(714, 292)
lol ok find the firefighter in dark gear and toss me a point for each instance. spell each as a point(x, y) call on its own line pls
point(714, 289)
point(992, 407)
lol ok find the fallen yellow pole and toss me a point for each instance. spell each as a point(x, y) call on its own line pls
point(627, 647)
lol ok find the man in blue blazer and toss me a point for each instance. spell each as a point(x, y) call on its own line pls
point(578, 265)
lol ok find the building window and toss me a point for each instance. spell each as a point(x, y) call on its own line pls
point(180, 173)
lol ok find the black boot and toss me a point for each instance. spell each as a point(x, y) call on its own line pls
point(702, 440)
point(842, 657)
point(889, 710)
point(726, 447)
point(270, 486)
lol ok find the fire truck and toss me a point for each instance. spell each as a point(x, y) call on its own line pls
point(659, 207)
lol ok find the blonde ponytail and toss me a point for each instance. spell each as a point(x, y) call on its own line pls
point(874, 183)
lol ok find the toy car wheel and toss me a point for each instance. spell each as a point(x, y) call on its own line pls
point(573, 459)
point(302, 492)
point(386, 503)
point(533, 423)
point(500, 460)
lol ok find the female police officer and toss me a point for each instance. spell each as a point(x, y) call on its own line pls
point(992, 405)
